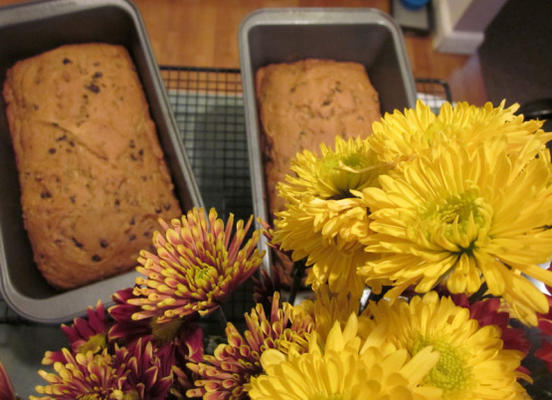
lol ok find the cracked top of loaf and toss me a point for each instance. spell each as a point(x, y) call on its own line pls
point(92, 174)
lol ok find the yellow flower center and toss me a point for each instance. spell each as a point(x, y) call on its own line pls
point(457, 209)
point(339, 173)
point(451, 374)
point(94, 344)
point(202, 275)
point(131, 395)
point(166, 331)
point(459, 219)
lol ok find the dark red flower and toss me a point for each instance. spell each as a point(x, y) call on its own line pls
point(545, 354)
point(150, 368)
point(6, 387)
point(487, 312)
point(85, 334)
point(124, 327)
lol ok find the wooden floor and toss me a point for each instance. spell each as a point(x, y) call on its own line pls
point(203, 33)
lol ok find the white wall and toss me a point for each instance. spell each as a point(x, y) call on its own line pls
point(460, 24)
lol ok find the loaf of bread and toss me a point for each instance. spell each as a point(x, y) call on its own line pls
point(92, 174)
point(306, 103)
point(301, 105)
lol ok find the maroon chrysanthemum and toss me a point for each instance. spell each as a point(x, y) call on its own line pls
point(141, 371)
point(199, 262)
point(85, 334)
point(149, 369)
point(225, 374)
point(84, 375)
point(124, 327)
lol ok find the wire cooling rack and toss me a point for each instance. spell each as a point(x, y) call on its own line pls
point(207, 104)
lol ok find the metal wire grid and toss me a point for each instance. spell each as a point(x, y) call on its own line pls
point(433, 92)
point(207, 104)
point(208, 107)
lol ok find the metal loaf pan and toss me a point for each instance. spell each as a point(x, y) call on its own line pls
point(31, 28)
point(276, 35)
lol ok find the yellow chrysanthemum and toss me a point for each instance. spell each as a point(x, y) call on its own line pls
point(326, 308)
point(402, 136)
point(472, 363)
point(463, 218)
point(344, 370)
point(326, 233)
point(323, 220)
point(351, 165)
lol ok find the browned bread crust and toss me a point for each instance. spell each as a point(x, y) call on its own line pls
point(92, 175)
point(306, 103)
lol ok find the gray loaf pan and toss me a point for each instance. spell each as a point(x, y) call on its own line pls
point(28, 29)
point(277, 35)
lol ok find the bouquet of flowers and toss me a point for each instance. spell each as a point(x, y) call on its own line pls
point(423, 247)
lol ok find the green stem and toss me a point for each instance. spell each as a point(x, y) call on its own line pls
point(479, 294)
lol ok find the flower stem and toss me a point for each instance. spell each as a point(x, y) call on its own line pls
point(298, 274)
point(221, 317)
point(479, 294)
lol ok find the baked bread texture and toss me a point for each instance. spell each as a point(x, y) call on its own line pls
point(91, 170)
point(306, 103)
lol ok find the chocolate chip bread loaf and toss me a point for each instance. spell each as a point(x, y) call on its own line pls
point(92, 175)
point(305, 103)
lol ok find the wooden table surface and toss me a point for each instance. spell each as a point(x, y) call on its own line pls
point(203, 33)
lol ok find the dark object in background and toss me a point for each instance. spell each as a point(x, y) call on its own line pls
point(539, 109)
point(515, 56)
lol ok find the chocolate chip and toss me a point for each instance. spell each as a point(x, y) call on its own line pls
point(158, 210)
point(117, 202)
point(35, 107)
point(63, 137)
point(66, 61)
point(97, 75)
point(93, 88)
point(51, 150)
point(133, 157)
point(96, 258)
point(71, 143)
point(132, 237)
point(132, 144)
point(55, 124)
point(132, 222)
point(72, 199)
point(146, 234)
point(104, 243)
point(45, 194)
point(167, 207)
point(141, 152)
point(96, 64)
point(77, 243)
